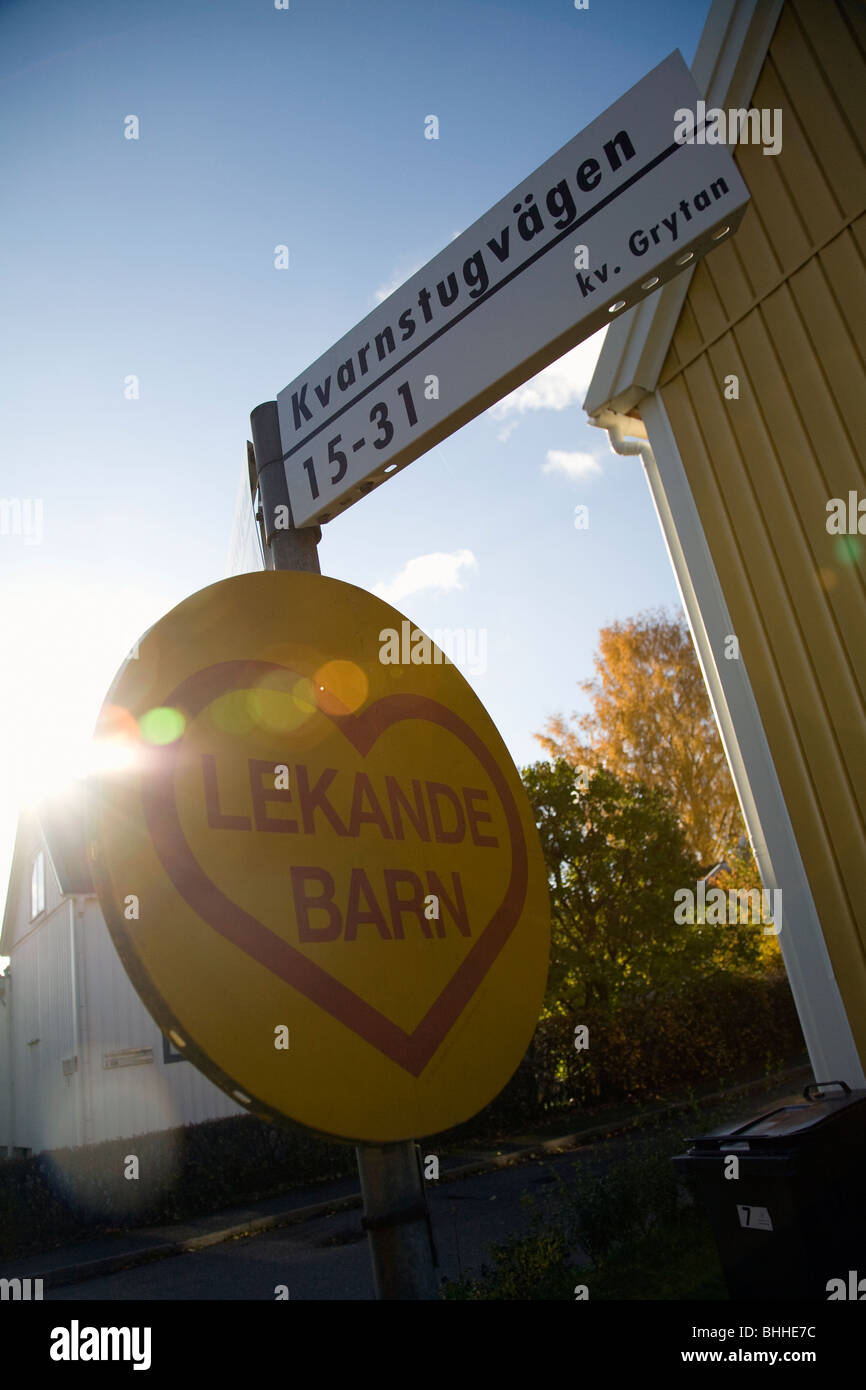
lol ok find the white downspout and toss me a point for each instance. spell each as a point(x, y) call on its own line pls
point(8, 1043)
point(617, 427)
point(84, 1026)
point(78, 1074)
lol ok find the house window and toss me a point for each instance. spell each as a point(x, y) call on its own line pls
point(37, 886)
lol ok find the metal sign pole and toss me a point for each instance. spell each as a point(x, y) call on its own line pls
point(397, 1221)
point(396, 1217)
point(290, 548)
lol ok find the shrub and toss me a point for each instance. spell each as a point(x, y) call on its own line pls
point(721, 1028)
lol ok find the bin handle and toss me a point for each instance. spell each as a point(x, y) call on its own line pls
point(816, 1086)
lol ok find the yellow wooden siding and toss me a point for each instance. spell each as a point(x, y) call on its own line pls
point(783, 307)
point(802, 197)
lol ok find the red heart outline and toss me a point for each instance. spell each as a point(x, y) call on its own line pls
point(410, 1050)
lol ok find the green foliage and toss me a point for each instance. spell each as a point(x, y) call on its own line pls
point(525, 1267)
point(619, 1206)
point(716, 1029)
point(615, 855)
point(637, 1223)
point(631, 1219)
point(677, 1261)
point(743, 946)
point(708, 1032)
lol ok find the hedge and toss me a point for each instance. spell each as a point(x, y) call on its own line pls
point(719, 1029)
point(67, 1194)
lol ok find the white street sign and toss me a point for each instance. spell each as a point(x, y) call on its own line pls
point(614, 214)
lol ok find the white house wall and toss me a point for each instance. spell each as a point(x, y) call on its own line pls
point(131, 1099)
point(50, 1017)
point(42, 1023)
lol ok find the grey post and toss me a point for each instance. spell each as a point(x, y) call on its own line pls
point(290, 548)
point(396, 1217)
point(397, 1221)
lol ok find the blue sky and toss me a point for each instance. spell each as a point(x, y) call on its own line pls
point(155, 258)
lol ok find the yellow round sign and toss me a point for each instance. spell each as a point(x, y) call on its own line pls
point(317, 860)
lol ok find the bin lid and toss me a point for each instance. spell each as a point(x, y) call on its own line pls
point(785, 1123)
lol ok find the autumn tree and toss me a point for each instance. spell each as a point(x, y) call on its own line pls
point(651, 719)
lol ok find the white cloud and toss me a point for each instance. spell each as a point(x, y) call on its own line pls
point(507, 431)
point(404, 271)
point(562, 384)
point(574, 465)
point(437, 571)
point(398, 278)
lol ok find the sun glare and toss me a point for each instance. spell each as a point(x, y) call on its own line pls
point(48, 714)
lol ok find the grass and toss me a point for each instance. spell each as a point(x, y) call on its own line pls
point(676, 1261)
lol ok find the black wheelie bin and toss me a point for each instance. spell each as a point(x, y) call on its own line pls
point(789, 1216)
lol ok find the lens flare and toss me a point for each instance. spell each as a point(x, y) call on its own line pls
point(282, 702)
point(231, 712)
point(341, 687)
point(304, 695)
point(848, 550)
point(116, 743)
point(161, 725)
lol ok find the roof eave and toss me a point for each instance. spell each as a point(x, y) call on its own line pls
point(23, 833)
